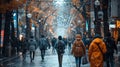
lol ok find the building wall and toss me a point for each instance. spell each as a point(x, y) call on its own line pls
point(114, 8)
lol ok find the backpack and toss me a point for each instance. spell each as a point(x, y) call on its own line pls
point(60, 47)
point(78, 50)
point(32, 46)
point(43, 43)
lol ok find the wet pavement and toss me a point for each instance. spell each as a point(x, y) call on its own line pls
point(51, 60)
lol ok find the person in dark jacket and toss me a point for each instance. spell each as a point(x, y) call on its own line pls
point(24, 47)
point(43, 44)
point(32, 47)
point(53, 41)
point(111, 46)
point(60, 47)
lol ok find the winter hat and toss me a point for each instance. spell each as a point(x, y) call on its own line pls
point(60, 37)
point(78, 36)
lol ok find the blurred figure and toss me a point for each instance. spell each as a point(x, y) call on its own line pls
point(24, 47)
point(88, 41)
point(94, 53)
point(69, 43)
point(111, 46)
point(53, 41)
point(32, 47)
point(60, 47)
point(78, 50)
point(48, 42)
point(43, 44)
point(65, 41)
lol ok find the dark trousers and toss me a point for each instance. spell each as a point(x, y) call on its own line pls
point(32, 55)
point(42, 54)
point(109, 60)
point(60, 57)
point(24, 53)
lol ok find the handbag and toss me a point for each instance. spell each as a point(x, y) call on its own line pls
point(101, 52)
point(84, 60)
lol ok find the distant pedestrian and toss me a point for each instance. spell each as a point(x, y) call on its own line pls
point(65, 41)
point(43, 44)
point(78, 50)
point(94, 53)
point(32, 47)
point(24, 47)
point(53, 41)
point(60, 47)
point(69, 41)
point(48, 42)
point(111, 46)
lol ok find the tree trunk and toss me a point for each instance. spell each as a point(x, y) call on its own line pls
point(7, 33)
point(17, 24)
point(0, 35)
point(0, 24)
point(97, 22)
point(89, 28)
point(105, 17)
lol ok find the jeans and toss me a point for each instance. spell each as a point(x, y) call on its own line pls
point(42, 54)
point(78, 61)
point(110, 60)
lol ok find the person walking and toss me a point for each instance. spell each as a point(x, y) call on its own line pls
point(78, 50)
point(24, 47)
point(32, 47)
point(94, 52)
point(69, 43)
point(60, 47)
point(53, 41)
point(43, 44)
point(111, 46)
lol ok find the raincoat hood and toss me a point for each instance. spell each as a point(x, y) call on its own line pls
point(97, 40)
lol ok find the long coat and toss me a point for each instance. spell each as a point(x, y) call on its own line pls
point(94, 54)
point(76, 44)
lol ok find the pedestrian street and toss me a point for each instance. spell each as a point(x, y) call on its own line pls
point(51, 60)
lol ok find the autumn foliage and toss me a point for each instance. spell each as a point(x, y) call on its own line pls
point(8, 6)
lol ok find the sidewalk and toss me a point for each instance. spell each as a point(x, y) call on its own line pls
point(51, 60)
point(5, 59)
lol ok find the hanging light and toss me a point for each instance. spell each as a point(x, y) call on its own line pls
point(97, 2)
point(29, 15)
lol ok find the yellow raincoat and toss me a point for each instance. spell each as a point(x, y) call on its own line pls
point(94, 54)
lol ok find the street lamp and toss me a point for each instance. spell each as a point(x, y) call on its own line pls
point(28, 32)
point(97, 2)
point(29, 15)
point(39, 27)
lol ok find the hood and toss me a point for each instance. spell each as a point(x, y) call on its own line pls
point(78, 36)
point(97, 40)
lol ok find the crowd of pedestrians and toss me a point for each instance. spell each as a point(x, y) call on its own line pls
point(97, 46)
